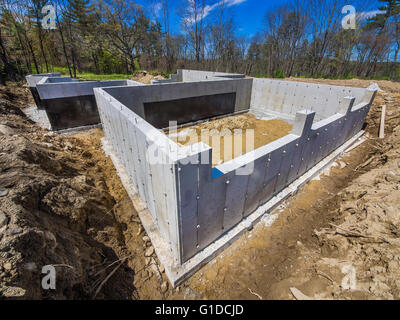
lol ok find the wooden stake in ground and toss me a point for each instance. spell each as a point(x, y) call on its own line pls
point(382, 124)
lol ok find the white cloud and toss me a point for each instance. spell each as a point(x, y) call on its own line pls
point(369, 14)
point(156, 9)
point(234, 2)
point(209, 8)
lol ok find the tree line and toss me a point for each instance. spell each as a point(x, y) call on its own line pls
point(300, 38)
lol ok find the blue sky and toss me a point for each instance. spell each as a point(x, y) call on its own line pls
point(248, 14)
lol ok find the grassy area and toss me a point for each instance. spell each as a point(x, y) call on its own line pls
point(92, 76)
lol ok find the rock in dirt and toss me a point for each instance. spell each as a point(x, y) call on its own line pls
point(299, 295)
point(3, 192)
point(342, 164)
point(12, 292)
point(3, 219)
point(164, 287)
point(7, 266)
point(149, 252)
point(6, 130)
point(392, 177)
point(15, 231)
point(140, 230)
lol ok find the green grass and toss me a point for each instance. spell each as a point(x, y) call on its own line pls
point(91, 76)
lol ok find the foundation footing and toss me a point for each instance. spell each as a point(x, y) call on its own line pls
point(79, 129)
point(39, 116)
point(177, 273)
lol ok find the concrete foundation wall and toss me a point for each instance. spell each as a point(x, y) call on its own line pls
point(285, 98)
point(70, 103)
point(56, 80)
point(32, 80)
point(187, 110)
point(135, 141)
point(193, 207)
point(184, 75)
point(196, 75)
point(69, 88)
point(209, 206)
point(139, 98)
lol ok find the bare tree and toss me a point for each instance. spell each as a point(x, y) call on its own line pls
point(193, 14)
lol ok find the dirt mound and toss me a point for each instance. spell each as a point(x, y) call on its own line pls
point(63, 204)
point(366, 238)
point(53, 211)
point(219, 135)
point(145, 77)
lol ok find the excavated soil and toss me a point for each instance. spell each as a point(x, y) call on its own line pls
point(145, 77)
point(232, 136)
point(62, 203)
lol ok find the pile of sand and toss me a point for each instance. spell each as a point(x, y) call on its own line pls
point(232, 136)
point(145, 77)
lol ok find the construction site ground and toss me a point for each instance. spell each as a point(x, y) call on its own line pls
point(232, 136)
point(62, 203)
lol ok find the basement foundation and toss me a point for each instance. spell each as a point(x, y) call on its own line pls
point(69, 103)
point(192, 207)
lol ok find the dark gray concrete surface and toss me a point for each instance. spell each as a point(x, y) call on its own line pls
point(189, 109)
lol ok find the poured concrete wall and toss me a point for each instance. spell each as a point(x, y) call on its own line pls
point(132, 138)
point(217, 97)
point(285, 98)
point(68, 89)
point(56, 80)
point(208, 206)
point(196, 75)
point(184, 75)
point(32, 80)
point(70, 103)
point(191, 206)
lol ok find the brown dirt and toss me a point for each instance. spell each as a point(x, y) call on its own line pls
point(62, 207)
point(149, 274)
point(145, 77)
point(66, 205)
point(227, 143)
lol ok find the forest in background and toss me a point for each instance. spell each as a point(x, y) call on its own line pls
point(299, 38)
